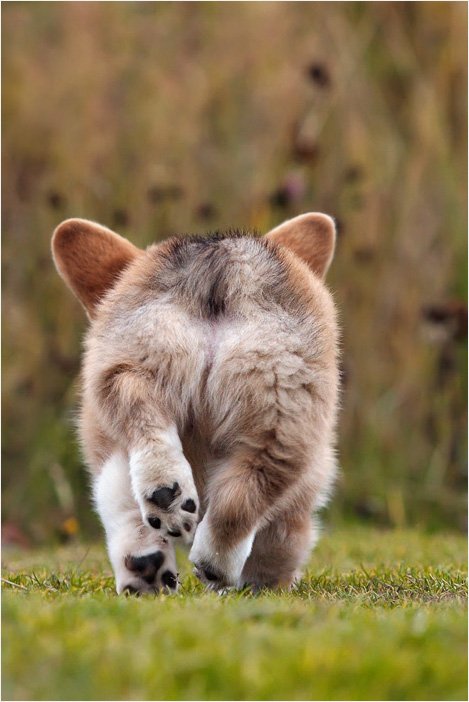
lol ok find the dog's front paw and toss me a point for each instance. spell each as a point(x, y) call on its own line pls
point(217, 567)
point(143, 561)
point(148, 573)
point(172, 509)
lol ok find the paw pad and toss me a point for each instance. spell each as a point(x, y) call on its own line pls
point(145, 566)
point(169, 579)
point(210, 574)
point(154, 522)
point(165, 496)
point(189, 506)
point(174, 532)
point(149, 575)
point(131, 590)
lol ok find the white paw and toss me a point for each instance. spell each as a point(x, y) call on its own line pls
point(216, 567)
point(147, 571)
point(142, 560)
point(166, 495)
point(171, 510)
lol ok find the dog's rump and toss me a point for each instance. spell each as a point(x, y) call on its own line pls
point(224, 334)
point(239, 345)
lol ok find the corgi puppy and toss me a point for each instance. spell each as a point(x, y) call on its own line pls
point(209, 397)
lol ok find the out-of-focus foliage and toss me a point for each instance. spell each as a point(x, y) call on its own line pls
point(156, 118)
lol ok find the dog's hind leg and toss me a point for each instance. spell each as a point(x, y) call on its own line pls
point(163, 484)
point(244, 496)
point(161, 477)
point(143, 561)
point(280, 550)
point(280, 461)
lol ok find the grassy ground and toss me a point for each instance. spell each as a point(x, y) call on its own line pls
point(378, 615)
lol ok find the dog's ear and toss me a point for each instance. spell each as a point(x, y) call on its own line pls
point(90, 258)
point(311, 237)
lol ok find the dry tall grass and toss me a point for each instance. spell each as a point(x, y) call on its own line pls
point(156, 118)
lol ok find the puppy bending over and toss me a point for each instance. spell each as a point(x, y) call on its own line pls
point(209, 393)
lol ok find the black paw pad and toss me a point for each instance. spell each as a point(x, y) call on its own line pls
point(163, 497)
point(189, 506)
point(130, 590)
point(154, 522)
point(146, 566)
point(169, 579)
point(210, 574)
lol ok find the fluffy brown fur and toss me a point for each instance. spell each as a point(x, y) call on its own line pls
point(209, 397)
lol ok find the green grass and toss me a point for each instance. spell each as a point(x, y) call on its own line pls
point(378, 615)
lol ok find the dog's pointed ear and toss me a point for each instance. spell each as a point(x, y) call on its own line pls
point(310, 236)
point(90, 258)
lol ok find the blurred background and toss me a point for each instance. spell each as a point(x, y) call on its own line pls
point(162, 118)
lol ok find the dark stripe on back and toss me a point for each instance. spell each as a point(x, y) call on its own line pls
point(199, 269)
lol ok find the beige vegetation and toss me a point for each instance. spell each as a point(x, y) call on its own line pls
point(156, 118)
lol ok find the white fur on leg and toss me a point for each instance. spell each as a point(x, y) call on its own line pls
point(125, 532)
point(228, 563)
